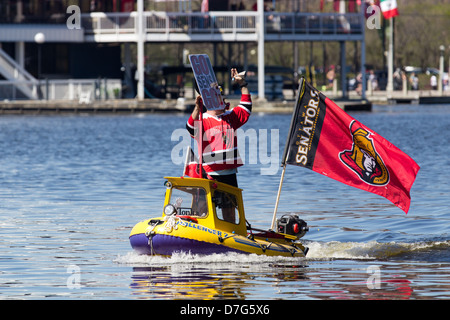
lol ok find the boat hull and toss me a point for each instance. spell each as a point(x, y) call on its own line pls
point(166, 245)
point(165, 238)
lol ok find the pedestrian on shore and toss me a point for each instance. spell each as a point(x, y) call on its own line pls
point(330, 77)
point(359, 84)
point(373, 80)
point(414, 81)
point(433, 82)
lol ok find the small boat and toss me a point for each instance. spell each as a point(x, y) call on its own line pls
point(204, 216)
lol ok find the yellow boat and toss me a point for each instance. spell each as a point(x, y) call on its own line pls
point(203, 216)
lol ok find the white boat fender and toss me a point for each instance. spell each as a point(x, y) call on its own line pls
point(171, 223)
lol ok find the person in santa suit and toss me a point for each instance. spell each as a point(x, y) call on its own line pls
point(220, 155)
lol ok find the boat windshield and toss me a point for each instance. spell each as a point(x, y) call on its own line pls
point(189, 201)
point(226, 207)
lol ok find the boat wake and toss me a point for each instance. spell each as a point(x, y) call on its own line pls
point(134, 259)
point(373, 250)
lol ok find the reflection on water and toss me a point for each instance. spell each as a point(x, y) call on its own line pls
point(235, 276)
point(189, 284)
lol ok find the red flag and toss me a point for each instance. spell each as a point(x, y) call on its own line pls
point(191, 165)
point(327, 140)
point(336, 5)
point(351, 5)
point(204, 6)
point(127, 6)
point(389, 8)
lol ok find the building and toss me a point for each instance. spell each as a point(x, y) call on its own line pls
point(91, 39)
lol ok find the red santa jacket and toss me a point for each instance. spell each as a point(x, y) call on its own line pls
point(219, 143)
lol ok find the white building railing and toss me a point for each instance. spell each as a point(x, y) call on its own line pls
point(82, 90)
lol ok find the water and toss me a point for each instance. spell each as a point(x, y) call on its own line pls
point(72, 187)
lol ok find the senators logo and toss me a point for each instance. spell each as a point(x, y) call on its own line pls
point(363, 159)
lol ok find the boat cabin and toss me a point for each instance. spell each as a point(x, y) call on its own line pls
point(209, 203)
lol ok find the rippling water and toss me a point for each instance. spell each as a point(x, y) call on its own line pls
point(72, 187)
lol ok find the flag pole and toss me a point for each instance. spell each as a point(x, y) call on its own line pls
point(200, 142)
point(300, 92)
point(390, 83)
point(186, 161)
point(200, 133)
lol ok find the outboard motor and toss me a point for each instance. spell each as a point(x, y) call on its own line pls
point(291, 224)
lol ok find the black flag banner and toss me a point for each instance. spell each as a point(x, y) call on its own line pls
point(306, 125)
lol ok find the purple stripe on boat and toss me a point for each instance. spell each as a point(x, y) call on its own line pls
point(167, 245)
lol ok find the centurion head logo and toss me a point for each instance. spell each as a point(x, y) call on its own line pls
point(363, 159)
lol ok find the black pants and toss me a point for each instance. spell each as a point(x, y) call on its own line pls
point(230, 179)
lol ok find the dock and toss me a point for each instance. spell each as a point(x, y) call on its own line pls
point(118, 106)
point(130, 106)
